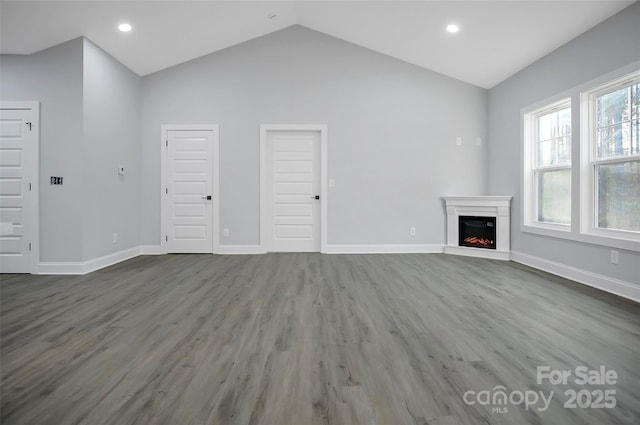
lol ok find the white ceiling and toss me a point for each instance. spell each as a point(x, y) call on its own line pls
point(497, 38)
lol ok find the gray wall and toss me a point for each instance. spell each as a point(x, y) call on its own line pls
point(112, 105)
point(54, 77)
point(90, 124)
point(391, 133)
point(605, 48)
point(392, 129)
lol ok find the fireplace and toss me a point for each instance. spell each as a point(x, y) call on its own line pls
point(477, 232)
point(479, 226)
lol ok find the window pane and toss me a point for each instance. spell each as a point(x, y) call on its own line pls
point(554, 124)
point(615, 141)
point(614, 107)
point(564, 122)
point(554, 196)
point(617, 122)
point(619, 196)
point(553, 138)
point(554, 152)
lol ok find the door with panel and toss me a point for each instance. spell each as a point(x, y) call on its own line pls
point(189, 186)
point(18, 195)
point(293, 188)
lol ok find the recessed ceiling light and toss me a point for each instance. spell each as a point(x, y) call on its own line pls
point(453, 28)
point(124, 27)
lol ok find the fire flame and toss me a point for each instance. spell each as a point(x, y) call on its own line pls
point(483, 242)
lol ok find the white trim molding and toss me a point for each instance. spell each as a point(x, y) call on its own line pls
point(322, 129)
point(150, 250)
point(215, 128)
point(385, 249)
point(582, 228)
point(64, 268)
point(84, 267)
point(605, 283)
point(240, 250)
point(530, 168)
point(589, 162)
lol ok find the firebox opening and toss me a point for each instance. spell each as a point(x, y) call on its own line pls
point(477, 232)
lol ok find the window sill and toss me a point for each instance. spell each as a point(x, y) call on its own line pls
point(547, 229)
point(608, 240)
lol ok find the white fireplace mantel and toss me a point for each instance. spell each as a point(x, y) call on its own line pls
point(480, 206)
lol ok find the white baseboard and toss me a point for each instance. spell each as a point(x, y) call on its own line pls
point(478, 252)
point(341, 249)
point(88, 266)
point(111, 259)
point(84, 267)
point(61, 268)
point(605, 283)
point(240, 249)
point(615, 286)
point(150, 250)
point(384, 249)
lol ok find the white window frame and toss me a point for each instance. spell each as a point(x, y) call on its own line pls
point(530, 196)
point(589, 162)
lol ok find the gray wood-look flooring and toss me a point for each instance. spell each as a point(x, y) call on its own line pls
point(301, 339)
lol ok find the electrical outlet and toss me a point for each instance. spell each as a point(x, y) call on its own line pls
point(225, 233)
point(332, 183)
point(478, 141)
point(114, 239)
point(458, 141)
point(614, 256)
point(412, 231)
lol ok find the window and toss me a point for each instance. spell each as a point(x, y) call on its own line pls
point(606, 208)
point(611, 159)
point(548, 166)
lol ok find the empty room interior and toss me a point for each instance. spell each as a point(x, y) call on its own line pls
point(320, 212)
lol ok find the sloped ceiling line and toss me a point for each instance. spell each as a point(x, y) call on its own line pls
point(497, 38)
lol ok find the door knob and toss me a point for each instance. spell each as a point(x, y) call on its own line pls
point(208, 197)
point(315, 197)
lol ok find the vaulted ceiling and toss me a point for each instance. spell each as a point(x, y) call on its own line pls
point(496, 38)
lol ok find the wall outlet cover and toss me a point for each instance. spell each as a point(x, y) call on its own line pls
point(614, 256)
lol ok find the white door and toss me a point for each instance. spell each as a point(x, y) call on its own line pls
point(189, 191)
point(18, 195)
point(293, 189)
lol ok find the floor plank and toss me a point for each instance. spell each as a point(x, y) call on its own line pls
point(307, 339)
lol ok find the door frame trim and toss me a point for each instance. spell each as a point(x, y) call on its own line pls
point(264, 130)
point(34, 177)
point(215, 219)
